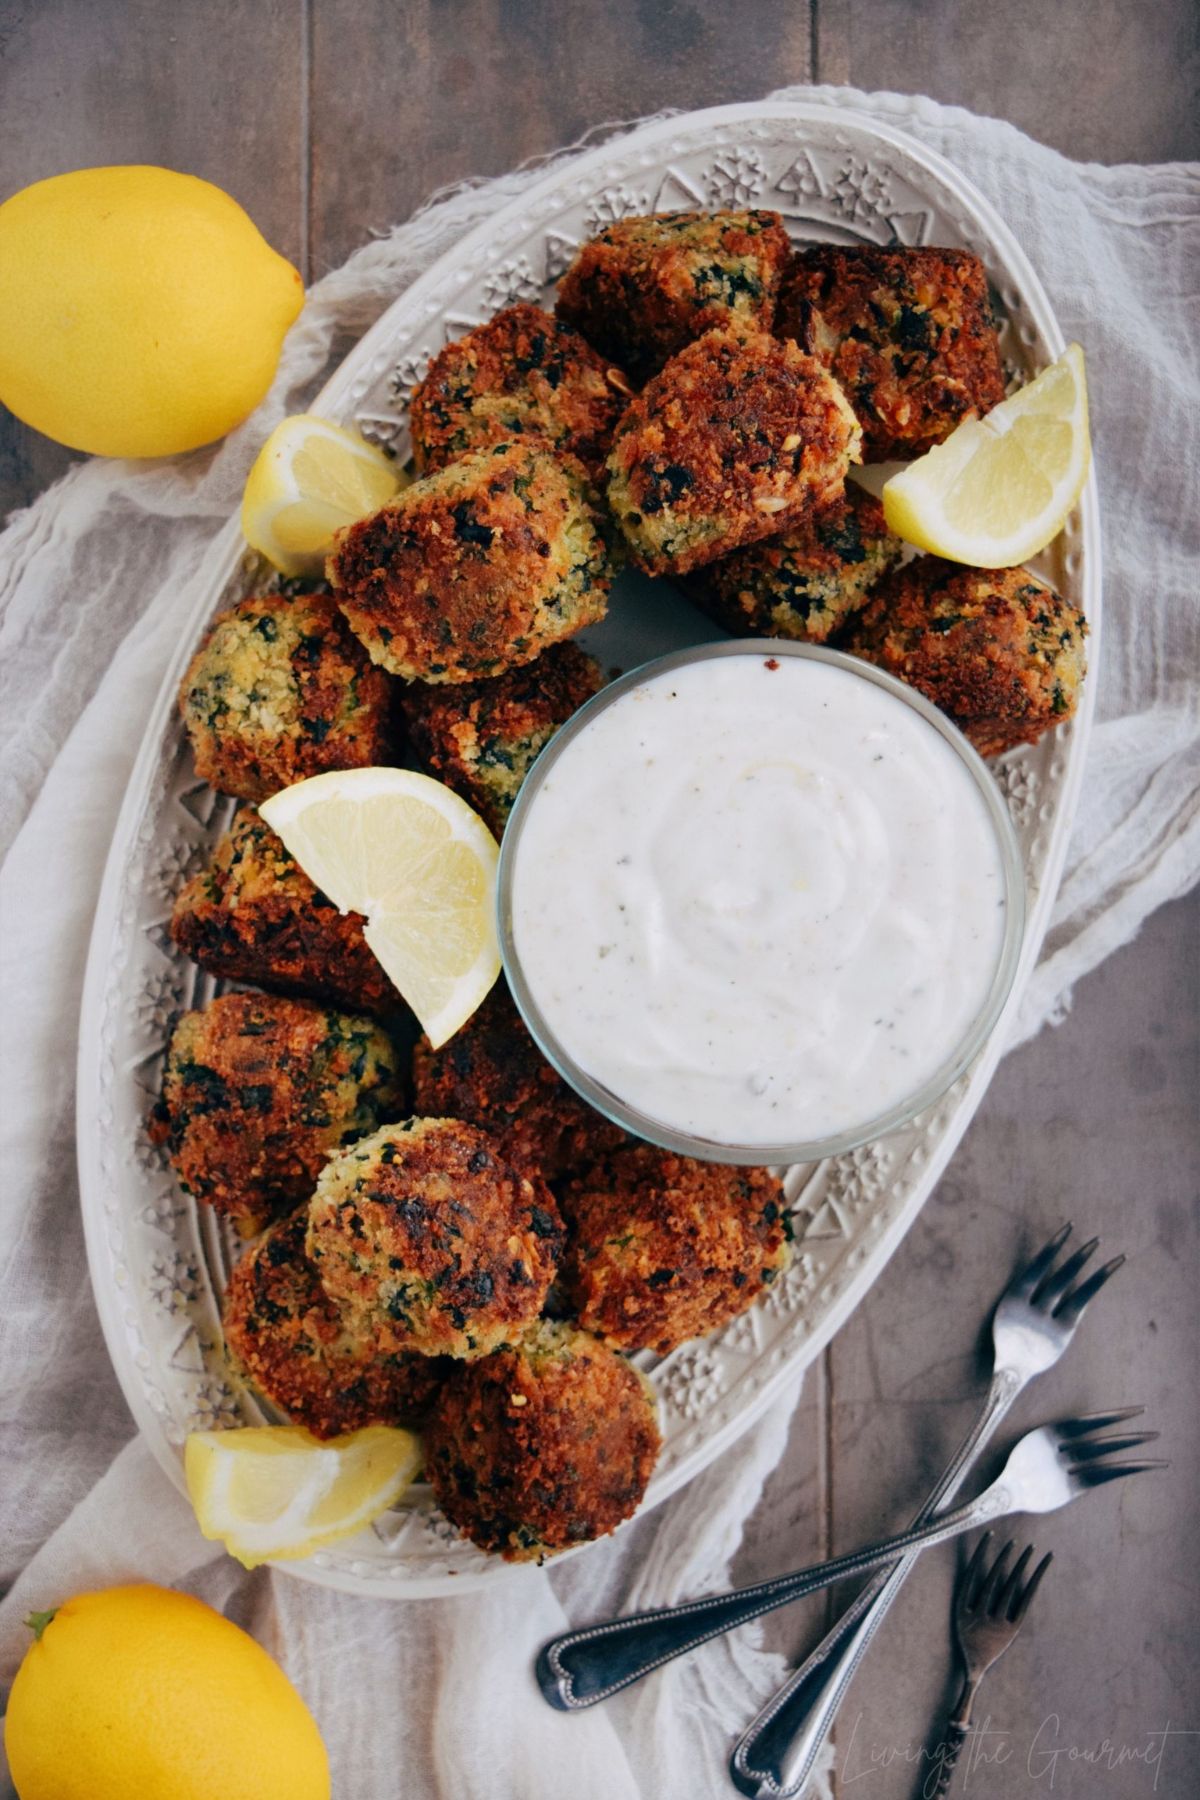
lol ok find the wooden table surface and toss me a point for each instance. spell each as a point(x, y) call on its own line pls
point(328, 118)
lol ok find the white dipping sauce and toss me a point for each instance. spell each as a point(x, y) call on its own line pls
point(761, 900)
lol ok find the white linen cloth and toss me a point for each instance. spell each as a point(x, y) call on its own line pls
point(435, 1699)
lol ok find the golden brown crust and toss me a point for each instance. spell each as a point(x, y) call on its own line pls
point(738, 437)
point(288, 1338)
point(258, 1091)
point(908, 333)
point(524, 373)
point(644, 287)
point(254, 916)
point(542, 1446)
point(482, 737)
point(663, 1248)
point(805, 584)
point(279, 690)
point(997, 649)
point(493, 1074)
point(476, 568)
point(429, 1240)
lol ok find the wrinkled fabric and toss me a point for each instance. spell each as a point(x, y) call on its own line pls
point(435, 1699)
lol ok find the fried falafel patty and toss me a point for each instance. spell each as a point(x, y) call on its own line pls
point(805, 584)
point(493, 1074)
point(998, 650)
point(662, 1248)
point(254, 916)
point(258, 1091)
point(644, 287)
point(427, 1239)
point(737, 438)
point(908, 333)
point(289, 1339)
point(482, 737)
point(522, 374)
point(476, 568)
point(281, 689)
point(541, 1446)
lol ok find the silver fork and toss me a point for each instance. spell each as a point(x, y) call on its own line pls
point(1048, 1468)
point(1034, 1321)
point(989, 1609)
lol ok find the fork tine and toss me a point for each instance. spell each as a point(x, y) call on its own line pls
point(993, 1581)
point(1070, 1307)
point(1086, 1423)
point(1097, 1473)
point(1096, 1448)
point(1026, 1279)
point(967, 1594)
point(1053, 1286)
point(1022, 1601)
point(1003, 1600)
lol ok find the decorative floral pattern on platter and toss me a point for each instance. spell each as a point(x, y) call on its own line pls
point(160, 1263)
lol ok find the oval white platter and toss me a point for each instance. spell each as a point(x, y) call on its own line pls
point(159, 1262)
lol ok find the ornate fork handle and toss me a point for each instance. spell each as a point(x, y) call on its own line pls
point(775, 1755)
point(584, 1667)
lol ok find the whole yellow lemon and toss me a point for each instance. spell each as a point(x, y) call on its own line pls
point(141, 311)
point(141, 1691)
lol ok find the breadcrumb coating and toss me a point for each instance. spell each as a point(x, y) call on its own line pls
point(545, 1445)
point(258, 1091)
point(805, 584)
point(482, 737)
point(908, 333)
point(289, 1339)
point(279, 690)
point(476, 568)
point(644, 287)
point(254, 916)
point(997, 649)
point(663, 1248)
point(523, 374)
point(736, 439)
point(429, 1240)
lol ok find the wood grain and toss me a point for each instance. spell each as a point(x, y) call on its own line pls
point(445, 89)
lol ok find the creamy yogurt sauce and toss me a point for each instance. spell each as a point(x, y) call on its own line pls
point(758, 898)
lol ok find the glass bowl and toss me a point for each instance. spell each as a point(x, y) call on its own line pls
point(643, 1125)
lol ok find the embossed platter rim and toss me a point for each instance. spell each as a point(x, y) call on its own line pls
point(156, 1263)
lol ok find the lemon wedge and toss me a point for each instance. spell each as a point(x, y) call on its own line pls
point(419, 864)
point(1000, 487)
point(309, 479)
point(274, 1493)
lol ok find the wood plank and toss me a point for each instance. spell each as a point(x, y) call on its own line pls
point(406, 98)
point(1101, 80)
point(213, 88)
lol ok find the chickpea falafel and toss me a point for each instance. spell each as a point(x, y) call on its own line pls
point(286, 1335)
point(644, 287)
point(482, 737)
point(662, 1248)
point(258, 1091)
point(998, 650)
point(254, 916)
point(543, 1445)
point(908, 333)
point(524, 373)
point(492, 1073)
point(805, 584)
point(428, 1240)
point(477, 567)
point(278, 690)
point(737, 438)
